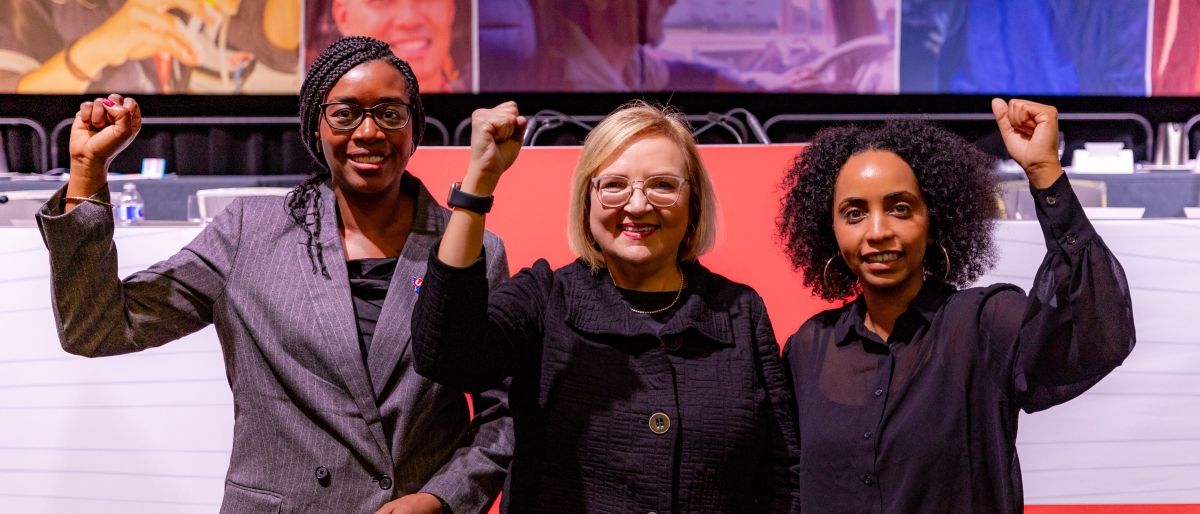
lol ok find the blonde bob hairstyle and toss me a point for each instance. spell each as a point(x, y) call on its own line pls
point(630, 122)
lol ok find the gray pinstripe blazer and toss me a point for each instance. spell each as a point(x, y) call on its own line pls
point(303, 400)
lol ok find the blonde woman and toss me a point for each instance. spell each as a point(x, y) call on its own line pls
point(641, 381)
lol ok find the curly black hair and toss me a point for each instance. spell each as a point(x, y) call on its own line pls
point(339, 58)
point(955, 177)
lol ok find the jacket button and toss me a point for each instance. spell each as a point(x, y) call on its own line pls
point(385, 482)
point(1070, 239)
point(879, 392)
point(1051, 199)
point(660, 423)
point(322, 474)
point(868, 480)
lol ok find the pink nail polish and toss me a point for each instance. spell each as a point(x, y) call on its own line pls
point(108, 102)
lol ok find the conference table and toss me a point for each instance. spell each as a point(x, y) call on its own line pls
point(151, 431)
point(166, 198)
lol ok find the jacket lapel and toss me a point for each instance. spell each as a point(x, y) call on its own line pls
point(394, 328)
point(335, 314)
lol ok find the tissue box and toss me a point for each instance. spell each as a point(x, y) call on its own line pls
point(1102, 158)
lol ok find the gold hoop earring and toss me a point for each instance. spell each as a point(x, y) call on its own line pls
point(946, 255)
point(825, 272)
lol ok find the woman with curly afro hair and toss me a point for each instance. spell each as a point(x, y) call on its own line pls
point(908, 394)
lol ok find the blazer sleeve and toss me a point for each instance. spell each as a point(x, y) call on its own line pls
point(467, 338)
point(99, 314)
point(1076, 324)
point(778, 471)
point(470, 481)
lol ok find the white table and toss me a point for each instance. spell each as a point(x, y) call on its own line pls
point(151, 432)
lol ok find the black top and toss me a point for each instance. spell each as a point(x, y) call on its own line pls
point(369, 280)
point(652, 301)
point(610, 414)
point(927, 421)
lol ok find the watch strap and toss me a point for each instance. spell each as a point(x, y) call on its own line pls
point(463, 200)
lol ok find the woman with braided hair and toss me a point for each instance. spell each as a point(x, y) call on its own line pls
point(311, 300)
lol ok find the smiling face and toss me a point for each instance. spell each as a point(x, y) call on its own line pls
point(418, 31)
point(367, 160)
point(881, 223)
point(639, 239)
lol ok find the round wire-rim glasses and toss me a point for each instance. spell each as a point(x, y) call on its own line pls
point(343, 116)
point(659, 190)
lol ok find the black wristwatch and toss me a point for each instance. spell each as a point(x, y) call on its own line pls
point(463, 200)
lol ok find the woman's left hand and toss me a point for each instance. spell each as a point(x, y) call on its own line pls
point(417, 503)
point(1030, 132)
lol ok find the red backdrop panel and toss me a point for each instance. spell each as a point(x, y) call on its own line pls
point(531, 215)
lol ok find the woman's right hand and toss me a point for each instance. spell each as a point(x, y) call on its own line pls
point(496, 135)
point(495, 142)
point(102, 128)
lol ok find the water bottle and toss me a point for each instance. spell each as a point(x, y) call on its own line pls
point(132, 209)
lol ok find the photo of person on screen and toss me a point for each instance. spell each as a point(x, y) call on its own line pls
point(434, 36)
point(693, 45)
point(149, 46)
point(607, 45)
point(1036, 47)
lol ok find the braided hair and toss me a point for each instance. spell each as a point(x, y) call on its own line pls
point(341, 56)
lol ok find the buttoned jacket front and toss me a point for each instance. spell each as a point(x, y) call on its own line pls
point(609, 414)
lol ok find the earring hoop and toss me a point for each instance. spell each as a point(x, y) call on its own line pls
point(946, 255)
point(825, 272)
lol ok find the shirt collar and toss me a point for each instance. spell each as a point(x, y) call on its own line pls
point(924, 307)
point(594, 305)
point(429, 217)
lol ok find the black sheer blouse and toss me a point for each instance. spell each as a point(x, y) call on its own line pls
point(369, 281)
point(927, 421)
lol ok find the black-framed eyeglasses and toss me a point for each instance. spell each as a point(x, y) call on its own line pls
point(343, 116)
point(660, 190)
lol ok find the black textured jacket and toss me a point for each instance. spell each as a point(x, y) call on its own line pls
point(608, 415)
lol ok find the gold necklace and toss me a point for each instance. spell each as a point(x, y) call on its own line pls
point(678, 294)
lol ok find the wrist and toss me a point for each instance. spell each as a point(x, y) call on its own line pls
point(432, 502)
point(90, 169)
point(479, 183)
point(82, 57)
point(1044, 175)
point(84, 186)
